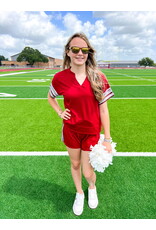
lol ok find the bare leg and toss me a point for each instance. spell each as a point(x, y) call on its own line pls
point(75, 158)
point(88, 171)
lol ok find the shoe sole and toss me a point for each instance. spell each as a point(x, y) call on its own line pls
point(77, 214)
point(91, 207)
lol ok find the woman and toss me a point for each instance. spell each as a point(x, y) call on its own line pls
point(85, 91)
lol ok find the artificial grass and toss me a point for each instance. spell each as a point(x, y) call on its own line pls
point(130, 72)
point(36, 90)
point(42, 188)
point(32, 125)
point(133, 83)
point(27, 92)
point(29, 125)
point(133, 124)
point(24, 83)
point(134, 91)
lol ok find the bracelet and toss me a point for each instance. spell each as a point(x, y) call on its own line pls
point(109, 140)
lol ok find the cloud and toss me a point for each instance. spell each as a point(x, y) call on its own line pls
point(132, 32)
point(100, 28)
point(72, 23)
point(115, 35)
point(23, 28)
point(32, 25)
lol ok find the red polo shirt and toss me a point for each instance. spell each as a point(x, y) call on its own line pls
point(80, 100)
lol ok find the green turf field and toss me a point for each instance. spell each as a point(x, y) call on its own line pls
point(33, 187)
point(41, 188)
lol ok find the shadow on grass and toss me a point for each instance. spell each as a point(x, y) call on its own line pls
point(36, 189)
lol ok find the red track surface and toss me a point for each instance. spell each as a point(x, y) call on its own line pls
point(18, 69)
point(4, 70)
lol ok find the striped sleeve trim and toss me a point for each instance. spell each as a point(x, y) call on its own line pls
point(53, 93)
point(107, 95)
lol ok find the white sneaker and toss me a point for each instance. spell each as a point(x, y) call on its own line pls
point(92, 198)
point(78, 204)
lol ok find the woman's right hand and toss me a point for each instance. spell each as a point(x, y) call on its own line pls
point(65, 114)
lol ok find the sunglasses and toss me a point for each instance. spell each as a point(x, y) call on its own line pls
point(76, 50)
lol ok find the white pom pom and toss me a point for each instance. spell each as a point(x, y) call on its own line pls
point(100, 159)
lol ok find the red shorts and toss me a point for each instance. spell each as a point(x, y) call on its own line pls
point(76, 140)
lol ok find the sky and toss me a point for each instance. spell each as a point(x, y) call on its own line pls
point(115, 35)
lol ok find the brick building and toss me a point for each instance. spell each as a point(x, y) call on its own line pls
point(52, 63)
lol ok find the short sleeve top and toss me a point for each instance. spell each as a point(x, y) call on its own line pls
point(80, 100)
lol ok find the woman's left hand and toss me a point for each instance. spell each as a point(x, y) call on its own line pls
point(108, 146)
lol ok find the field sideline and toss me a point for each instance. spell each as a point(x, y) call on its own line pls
point(65, 153)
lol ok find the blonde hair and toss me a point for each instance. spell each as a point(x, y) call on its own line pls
point(94, 75)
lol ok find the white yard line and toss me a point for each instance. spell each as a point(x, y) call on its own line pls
point(118, 98)
point(109, 79)
point(132, 85)
point(65, 153)
point(26, 80)
point(7, 74)
point(15, 86)
point(8, 86)
point(127, 98)
point(129, 79)
point(137, 78)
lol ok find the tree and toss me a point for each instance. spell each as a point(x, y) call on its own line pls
point(31, 55)
point(2, 58)
point(146, 62)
